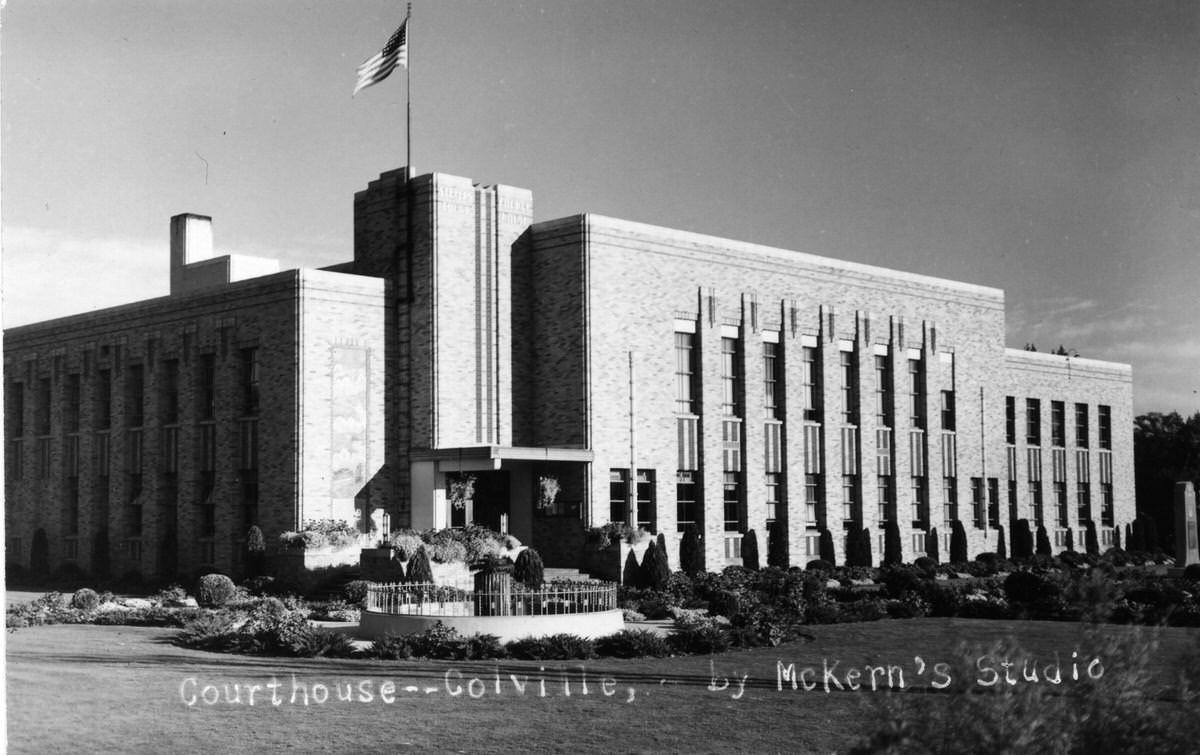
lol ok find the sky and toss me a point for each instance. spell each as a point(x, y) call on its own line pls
point(1051, 149)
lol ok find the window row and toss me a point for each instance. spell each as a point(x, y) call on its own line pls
point(1058, 423)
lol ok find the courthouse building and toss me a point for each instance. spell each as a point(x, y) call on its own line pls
point(658, 376)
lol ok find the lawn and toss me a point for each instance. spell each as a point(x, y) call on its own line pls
point(76, 688)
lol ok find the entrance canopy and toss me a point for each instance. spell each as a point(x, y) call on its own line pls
point(483, 458)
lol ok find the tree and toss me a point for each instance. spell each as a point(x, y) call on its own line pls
point(1091, 544)
point(750, 550)
point(528, 569)
point(1001, 547)
point(1022, 540)
point(851, 547)
point(958, 543)
point(892, 550)
point(655, 573)
point(933, 545)
point(1137, 534)
point(825, 543)
point(777, 550)
point(1117, 537)
point(691, 557)
point(1166, 450)
point(419, 568)
point(1070, 544)
point(1043, 542)
point(633, 575)
point(662, 552)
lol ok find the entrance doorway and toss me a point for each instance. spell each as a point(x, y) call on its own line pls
point(491, 500)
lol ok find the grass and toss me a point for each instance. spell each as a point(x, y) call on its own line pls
point(110, 689)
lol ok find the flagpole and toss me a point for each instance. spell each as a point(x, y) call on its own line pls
point(408, 95)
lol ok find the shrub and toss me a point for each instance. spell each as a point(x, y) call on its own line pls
point(390, 648)
point(318, 533)
point(1001, 548)
point(214, 590)
point(85, 599)
point(777, 546)
point(898, 580)
point(1070, 543)
point(632, 573)
point(825, 545)
point(209, 631)
point(528, 569)
point(655, 573)
point(892, 549)
point(355, 592)
point(750, 550)
point(662, 553)
point(1022, 545)
point(1091, 544)
point(1192, 571)
point(446, 552)
point(406, 543)
point(958, 542)
point(419, 569)
point(1043, 542)
point(691, 557)
point(633, 643)
point(704, 635)
point(933, 545)
point(819, 564)
point(1029, 588)
point(556, 647)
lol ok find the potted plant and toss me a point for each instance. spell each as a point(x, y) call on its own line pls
point(549, 488)
point(461, 490)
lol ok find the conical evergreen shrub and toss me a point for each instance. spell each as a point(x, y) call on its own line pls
point(419, 568)
point(528, 569)
point(750, 550)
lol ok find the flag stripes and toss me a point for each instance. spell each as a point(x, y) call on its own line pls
point(380, 65)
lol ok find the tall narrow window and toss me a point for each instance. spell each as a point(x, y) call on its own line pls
point(249, 377)
point(1010, 420)
point(104, 400)
point(731, 376)
point(207, 387)
point(1081, 425)
point(774, 486)
point(770, 379)
point(686, 496)
point(883, 391)
point(849, 498)
point(169, 387)
point(977, 501)
point(1060, 503)
point(920, 508)
point(812, 499)
point(618, 494)
point(41, 424)
point(732, 500)
point(810, 388)
point(884, 492)
point(993, 502)
point(1033, 422)
point(647, 507)
point(1058, 424)
point(849, 388)
point(1104, 417)
point(74, 402)
point(916, 393)
point(949, 500)
point(135, 396)
point(948, 416)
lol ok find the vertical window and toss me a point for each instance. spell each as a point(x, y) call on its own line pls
point(774, 486)
point(732, 500)
point(1013, 514)
point(104, 400)
point(1033, 422)
point(948, 417)
point(731, 375)
point(949, 500)
point(686, 499)
point(249, 376)
point(41, 424)
point(1010, 420)
point(685, 372)
point(993, 502)
point(133, 462)
point(1081, 425)
point(1106, 504)
point(1083, 501)
point(1058, 424)
point(207, 388)
point(170, 392)
point(645, 500)
point(886, 504)
point(883, 391)
point(849, 498)
point(849, 373)
point(1035, 499)
point(1104, 419)
point(618, 494)
point(810, 389)
point(916, 393)
point(770, 379)
point(977, 501)
point(16, 410)
point(812, 499)
point(74, 400)
point(135, 395)
point(920, 510)
point(1060, 503)
point(248, 444)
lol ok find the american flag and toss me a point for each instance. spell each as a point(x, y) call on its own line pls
point(377, 68)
